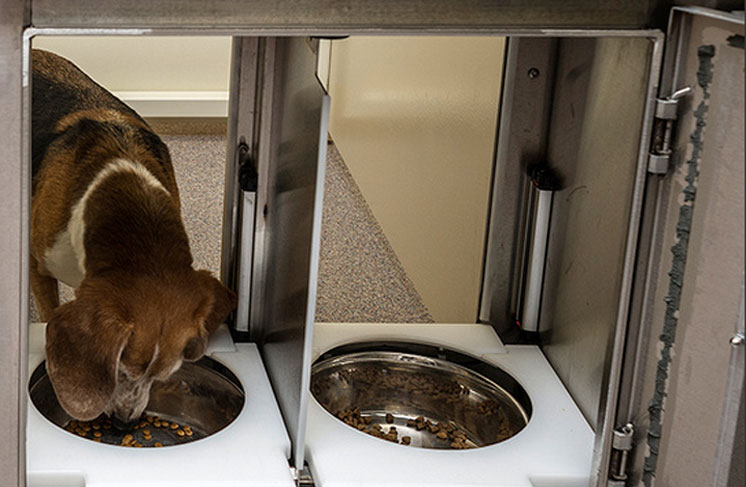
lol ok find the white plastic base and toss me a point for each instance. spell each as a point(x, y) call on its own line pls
point(555, 448)
point(252, 451)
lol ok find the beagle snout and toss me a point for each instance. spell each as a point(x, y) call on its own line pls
point(129, 399)
point(106, 348)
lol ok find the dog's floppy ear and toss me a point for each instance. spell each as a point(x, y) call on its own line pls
point(223, 302)
point(84, 343)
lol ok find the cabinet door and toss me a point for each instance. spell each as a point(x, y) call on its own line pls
point(691, 374)
point(292, 155)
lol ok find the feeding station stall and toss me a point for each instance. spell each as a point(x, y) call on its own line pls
point(614, 237)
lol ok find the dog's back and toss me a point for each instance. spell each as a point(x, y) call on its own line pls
point(78, 130)
point(72, 113)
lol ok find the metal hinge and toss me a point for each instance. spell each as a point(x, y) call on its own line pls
point(621, 445)
point(302, 477)
point(666, 113)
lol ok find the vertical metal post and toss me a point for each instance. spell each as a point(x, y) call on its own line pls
point(241, 134)
point(521, 142)
point(248, 183)
point(263, 133)
point(14, 208)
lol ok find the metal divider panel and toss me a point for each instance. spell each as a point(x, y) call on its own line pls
point(297, 158)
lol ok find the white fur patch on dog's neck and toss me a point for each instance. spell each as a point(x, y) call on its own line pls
point(76, 225)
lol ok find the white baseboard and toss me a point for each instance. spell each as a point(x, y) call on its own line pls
point(185, 104)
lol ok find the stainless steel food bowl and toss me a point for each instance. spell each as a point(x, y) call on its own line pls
point(201, 398)
point(422, 390)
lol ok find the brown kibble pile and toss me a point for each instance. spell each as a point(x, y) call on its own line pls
point(96, 429)
point(365, 423)
point(83, 428)
point(456, 438)
point(373, 382)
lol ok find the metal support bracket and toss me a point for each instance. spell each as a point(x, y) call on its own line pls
point(302, 477)
point(666, 113)
point(621, 445)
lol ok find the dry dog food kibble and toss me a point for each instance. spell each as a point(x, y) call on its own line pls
point(141, 435)
point(446, 432)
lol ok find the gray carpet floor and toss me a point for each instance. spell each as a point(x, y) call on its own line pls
point(360, 277)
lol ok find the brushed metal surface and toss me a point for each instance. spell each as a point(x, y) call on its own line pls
point(597, 143)
point(14, 216)
point(611, 393)
point(594, 144)
point(407, 386)
point(242, 120)
point(346, 15)
point(521, 141)
point(700, 391)
point(295, 144)
point(263, 131)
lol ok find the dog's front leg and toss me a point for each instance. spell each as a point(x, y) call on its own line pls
point(45, 290)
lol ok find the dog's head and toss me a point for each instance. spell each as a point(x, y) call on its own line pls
point(106, 348)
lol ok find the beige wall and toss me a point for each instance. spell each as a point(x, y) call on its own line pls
point(415, 121)
point(158, 76)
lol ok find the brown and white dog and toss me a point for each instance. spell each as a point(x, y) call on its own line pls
point(106, 219)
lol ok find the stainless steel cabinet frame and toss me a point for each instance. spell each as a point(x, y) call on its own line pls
point(270, 68)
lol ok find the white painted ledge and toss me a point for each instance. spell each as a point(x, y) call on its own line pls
point(186, 104)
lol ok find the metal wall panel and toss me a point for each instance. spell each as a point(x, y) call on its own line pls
point(595, 133)
point(294, 145)
point(14, 207)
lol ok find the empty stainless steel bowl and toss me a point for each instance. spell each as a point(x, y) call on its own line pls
point(198, 400)
point(437, 398)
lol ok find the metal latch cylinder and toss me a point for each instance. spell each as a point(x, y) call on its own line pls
point(544, 183)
